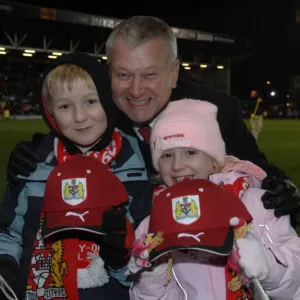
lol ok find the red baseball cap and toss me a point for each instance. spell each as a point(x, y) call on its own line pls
point(77, 194)
point(195, 214)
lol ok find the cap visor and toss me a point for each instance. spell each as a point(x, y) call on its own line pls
point(82, 220)
point(51, 232)
point(215, 241)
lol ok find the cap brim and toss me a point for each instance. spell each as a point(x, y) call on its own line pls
point(50, 232)
point(217, 242)
point(76, 220)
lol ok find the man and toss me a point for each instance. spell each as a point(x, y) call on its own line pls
point(144, 70)
point(255, 106)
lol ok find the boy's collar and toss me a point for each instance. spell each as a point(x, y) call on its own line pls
point(84, 150)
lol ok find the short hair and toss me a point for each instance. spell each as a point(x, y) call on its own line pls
point(138, 30)
point(67, 74)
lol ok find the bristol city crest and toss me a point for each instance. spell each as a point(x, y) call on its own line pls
point(74, 190)
point(186, 209)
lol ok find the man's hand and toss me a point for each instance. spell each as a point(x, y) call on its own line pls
point(282, 196)
point(23, 159)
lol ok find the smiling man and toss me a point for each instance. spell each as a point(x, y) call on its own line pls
point(143, 74)
point(144, 69)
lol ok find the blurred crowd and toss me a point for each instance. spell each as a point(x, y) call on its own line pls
point(19, 88)
point(19, 85)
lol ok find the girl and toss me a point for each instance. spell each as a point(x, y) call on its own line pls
point(186, 142)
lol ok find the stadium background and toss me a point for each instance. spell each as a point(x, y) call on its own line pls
point(47, 30)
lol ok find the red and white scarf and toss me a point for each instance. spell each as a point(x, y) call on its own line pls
point(106, 155)
point(58, 268)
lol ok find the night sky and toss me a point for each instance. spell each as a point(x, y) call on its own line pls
point(270, 27)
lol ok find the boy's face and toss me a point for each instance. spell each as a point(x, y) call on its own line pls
point(78, 113)
point(179, 163)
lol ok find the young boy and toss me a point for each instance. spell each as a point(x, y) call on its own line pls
point(79, 111)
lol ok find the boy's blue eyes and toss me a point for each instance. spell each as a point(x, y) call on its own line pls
point(92, 101)
point(89, 102)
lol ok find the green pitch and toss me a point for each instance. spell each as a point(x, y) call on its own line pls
point(279, 141)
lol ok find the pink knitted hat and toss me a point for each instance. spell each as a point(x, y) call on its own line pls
point(188, 123)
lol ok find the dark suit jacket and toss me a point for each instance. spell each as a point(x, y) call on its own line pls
point(239, 141)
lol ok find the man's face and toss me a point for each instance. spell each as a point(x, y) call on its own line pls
point(142, 78)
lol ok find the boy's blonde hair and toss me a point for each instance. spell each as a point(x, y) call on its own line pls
point(65, 74)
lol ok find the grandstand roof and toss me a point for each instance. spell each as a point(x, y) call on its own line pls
point(49, 29)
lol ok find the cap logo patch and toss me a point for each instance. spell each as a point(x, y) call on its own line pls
point(74, 190)
point(186, 209)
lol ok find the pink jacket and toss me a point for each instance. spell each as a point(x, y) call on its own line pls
point(195, 281)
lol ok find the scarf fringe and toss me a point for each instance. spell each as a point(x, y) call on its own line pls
point(94, 275)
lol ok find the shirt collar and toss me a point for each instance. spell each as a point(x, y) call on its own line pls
point(136, 129)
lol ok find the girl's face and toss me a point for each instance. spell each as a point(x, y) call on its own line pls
point(179, 163)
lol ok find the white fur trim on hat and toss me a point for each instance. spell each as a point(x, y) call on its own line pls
point(188, 123)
